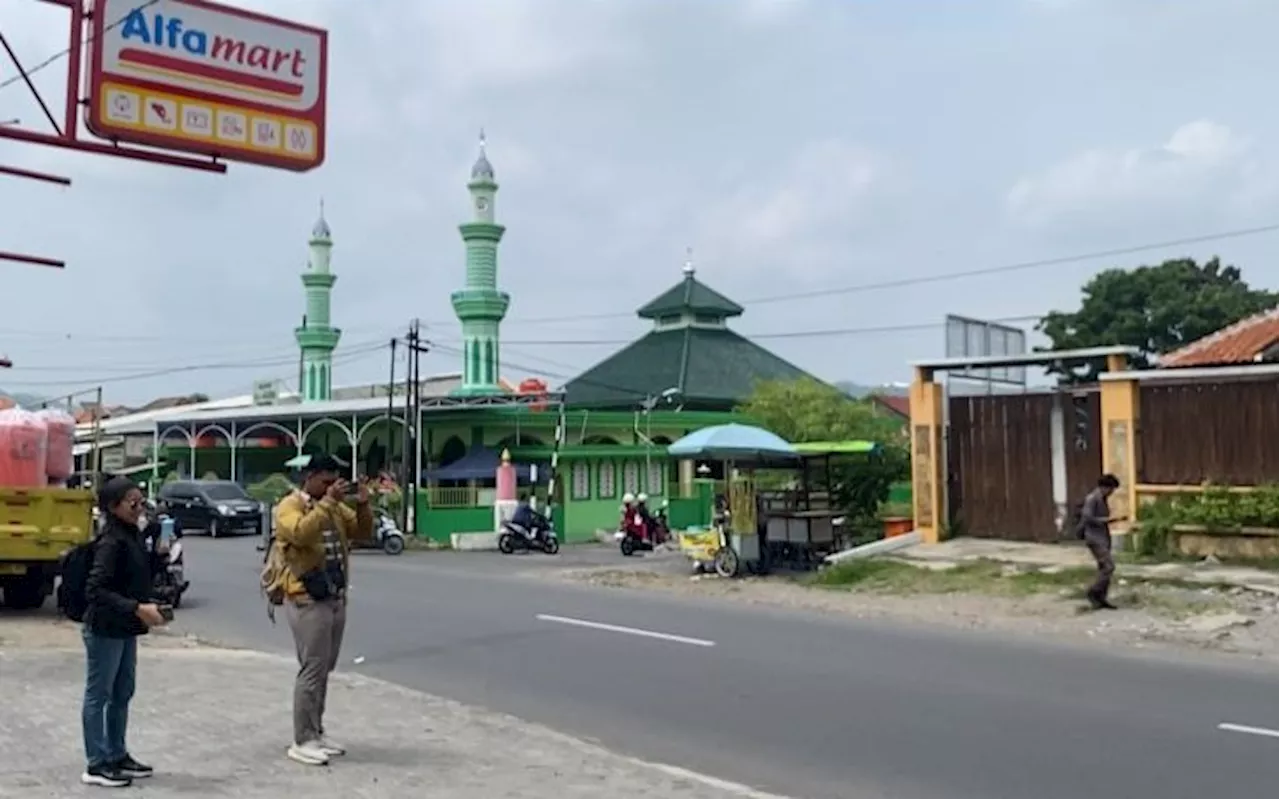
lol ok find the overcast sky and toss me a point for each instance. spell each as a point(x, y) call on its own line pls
point(796, 146)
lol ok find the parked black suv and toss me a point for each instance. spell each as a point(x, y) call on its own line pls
point(218, 507)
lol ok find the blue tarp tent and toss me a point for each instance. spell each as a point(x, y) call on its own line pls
point(481, 463)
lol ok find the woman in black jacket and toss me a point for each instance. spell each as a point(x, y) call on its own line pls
point(120, 608)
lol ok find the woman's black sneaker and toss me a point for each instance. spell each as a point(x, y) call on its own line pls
point(106, 777)
point(132, 768)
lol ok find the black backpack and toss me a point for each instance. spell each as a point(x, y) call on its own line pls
point(74, 568)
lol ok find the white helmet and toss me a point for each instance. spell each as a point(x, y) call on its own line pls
point(628, 498)
point(642, 498)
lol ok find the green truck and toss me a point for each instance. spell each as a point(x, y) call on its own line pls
point(38, 525)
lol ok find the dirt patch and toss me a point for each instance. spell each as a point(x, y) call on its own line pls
point(1020, 600)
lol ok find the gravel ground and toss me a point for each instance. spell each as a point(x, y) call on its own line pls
point(1233, 620)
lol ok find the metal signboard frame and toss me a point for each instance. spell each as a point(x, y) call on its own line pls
point(976, 338)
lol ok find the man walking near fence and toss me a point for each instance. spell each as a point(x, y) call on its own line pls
point(1095, 529)
point(313, 530)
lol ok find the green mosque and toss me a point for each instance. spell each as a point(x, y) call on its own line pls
point(601, 435)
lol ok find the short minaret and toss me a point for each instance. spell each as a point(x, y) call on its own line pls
point(317, 337)
point(480, 306)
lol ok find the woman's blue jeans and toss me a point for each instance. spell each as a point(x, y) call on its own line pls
point(111, 669)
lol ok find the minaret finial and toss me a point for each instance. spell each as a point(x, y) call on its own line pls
point(482, 169)
point(688, 262)
point(320, 230)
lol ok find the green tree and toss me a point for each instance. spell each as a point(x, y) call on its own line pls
point(807, 410)
point(1155, 308)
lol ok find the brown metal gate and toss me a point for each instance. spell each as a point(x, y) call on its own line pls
point(1000, 462)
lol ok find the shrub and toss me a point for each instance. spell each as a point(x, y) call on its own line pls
point(1215, 509)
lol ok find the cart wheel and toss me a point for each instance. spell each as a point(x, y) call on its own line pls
point(726, 562)
point(628, 546)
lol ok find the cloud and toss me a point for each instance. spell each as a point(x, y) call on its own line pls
point(768, 12)
point(471, 46)
point(801, 213)
point(1204, 168)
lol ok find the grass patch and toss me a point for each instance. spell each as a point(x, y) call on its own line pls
point(976, 577)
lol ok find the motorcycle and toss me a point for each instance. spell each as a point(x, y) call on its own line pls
point(659, 532)
point(386, 534)
point(516, 538)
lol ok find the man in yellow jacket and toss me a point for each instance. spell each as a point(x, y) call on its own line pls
point(313, 530)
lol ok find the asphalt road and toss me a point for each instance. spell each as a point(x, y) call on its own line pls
point(798, 704)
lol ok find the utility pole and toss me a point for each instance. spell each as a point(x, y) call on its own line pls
point(406, 438)
point(411, 461)
point(391, 392)
point(302, 396)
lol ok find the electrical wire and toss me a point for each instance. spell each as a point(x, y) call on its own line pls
point(291, 352)
point(358, 350)
point(958, 275)
point(828, 333)
point(53, 59)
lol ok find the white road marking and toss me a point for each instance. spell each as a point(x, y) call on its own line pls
point(734, 788)
point(613, 628)
point(1246, 729)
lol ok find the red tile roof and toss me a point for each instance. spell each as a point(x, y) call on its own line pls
point(894, 404)
point(1243, 342)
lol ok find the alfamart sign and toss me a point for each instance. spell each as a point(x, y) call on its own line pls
point(204, 78)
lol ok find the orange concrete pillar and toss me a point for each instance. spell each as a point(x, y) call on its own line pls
point(1120, 409)
point(927, 467)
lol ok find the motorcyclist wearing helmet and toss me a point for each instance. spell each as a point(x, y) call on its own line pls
point(642, 510)
point(631, 523)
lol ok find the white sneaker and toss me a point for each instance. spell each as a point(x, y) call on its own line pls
point(330, 747)
point(308, 754)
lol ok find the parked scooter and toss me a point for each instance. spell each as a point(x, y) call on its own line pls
point(387, 535)
point(516, 538)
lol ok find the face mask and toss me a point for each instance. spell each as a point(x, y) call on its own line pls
point(142, 522)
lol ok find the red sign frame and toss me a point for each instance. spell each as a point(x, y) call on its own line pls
point(156, 95)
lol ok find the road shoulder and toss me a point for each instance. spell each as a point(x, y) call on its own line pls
point(1012, 599)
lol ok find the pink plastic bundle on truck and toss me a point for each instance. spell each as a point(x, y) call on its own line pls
point(24, 445)
point(60, 462)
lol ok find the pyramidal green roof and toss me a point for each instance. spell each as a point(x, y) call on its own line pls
point(712, 369)
point(692, 295)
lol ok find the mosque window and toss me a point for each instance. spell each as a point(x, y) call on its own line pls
point(606, 478)
point(581, 480)
point(655, 481)
point(631, 477)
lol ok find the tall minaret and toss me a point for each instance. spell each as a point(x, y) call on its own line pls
point(481, 306)
point(316, 337)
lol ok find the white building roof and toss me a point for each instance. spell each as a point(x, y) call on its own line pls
point(348, 400)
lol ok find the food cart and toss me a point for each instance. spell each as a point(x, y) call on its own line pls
point(736, 534)
point(803, 523)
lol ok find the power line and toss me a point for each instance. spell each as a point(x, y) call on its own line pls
point(967, 273)
point(67, 51)
point(172, 370)
point(828, 333)
point(289, 353)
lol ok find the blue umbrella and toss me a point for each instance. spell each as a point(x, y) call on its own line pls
point(733, 442)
